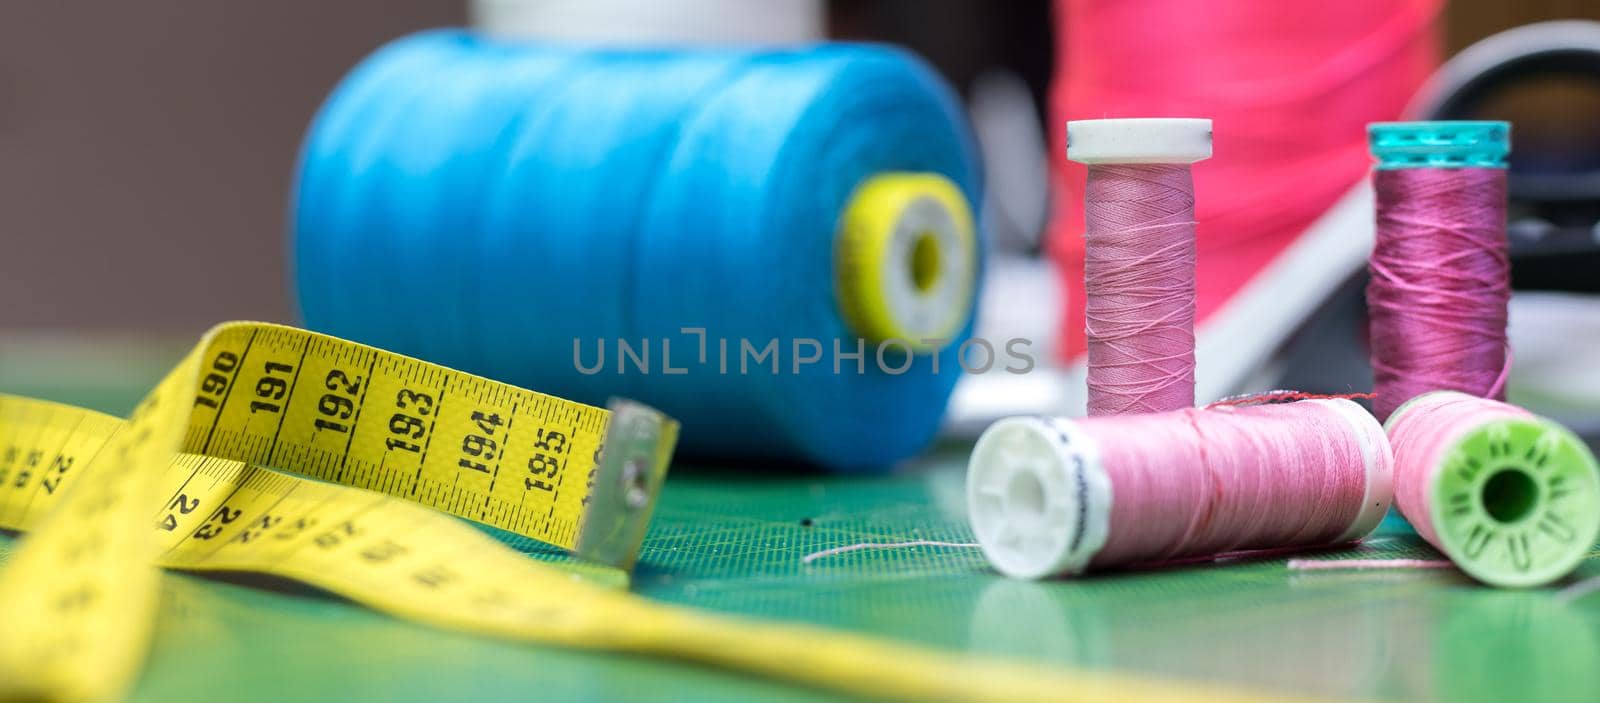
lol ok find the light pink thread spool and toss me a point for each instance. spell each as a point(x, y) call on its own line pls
point(1139, 259)
point(1052, 496)
point(1512, 498)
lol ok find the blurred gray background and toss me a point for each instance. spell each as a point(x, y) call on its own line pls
point(146, 151)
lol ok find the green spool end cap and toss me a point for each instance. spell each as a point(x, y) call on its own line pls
point(1517, 502)
point(1444, 144)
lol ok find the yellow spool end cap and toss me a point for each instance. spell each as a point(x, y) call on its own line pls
point(905, 259)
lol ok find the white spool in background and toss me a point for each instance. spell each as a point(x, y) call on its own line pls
point(653, 22)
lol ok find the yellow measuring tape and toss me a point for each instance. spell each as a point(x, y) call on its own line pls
point(77, 600)
point(181, 484)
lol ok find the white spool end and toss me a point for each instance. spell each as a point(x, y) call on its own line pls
point(1038, 497)
point(1378, 460)
point(1163, 140)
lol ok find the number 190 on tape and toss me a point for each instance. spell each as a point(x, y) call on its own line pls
point(246, 457)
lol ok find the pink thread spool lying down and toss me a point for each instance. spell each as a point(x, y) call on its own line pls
point(1052, 496)
point(1139, 259)
point(1512, 498)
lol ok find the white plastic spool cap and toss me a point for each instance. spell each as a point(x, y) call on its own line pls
point(1139, 141)
point(1038, 497)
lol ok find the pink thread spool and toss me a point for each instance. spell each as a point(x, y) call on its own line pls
point(1512, 498)
point(1052, 496)
point(1441, 274)
point(1139, 246)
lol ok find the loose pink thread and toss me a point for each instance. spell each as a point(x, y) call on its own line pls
point(1202, 482)
point(1139, 282)
point(1420, 437)
point(1440, 284)
point(1281, 396)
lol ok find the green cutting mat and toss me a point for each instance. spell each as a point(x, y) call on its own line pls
point(732, 540)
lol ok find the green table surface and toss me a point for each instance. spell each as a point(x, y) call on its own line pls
point(731, 540)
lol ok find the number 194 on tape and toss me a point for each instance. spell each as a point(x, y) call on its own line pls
point(249, 456)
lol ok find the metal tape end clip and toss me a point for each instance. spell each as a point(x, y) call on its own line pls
point(633, 464)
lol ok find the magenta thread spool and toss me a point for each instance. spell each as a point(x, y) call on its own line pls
point(1441, 275)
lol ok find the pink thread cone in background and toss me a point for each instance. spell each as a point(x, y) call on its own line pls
point(1290, 85)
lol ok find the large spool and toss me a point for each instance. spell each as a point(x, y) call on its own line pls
point(521, 211)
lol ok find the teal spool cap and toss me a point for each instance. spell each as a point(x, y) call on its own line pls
point(1440, 144)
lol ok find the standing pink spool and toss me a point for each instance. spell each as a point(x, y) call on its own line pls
point(1051, 496)
point(1139, 263)
point(1441, 273)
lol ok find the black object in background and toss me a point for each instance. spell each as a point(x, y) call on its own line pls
point(1544, 78)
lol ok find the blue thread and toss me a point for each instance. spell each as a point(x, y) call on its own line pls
point(481, 204)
